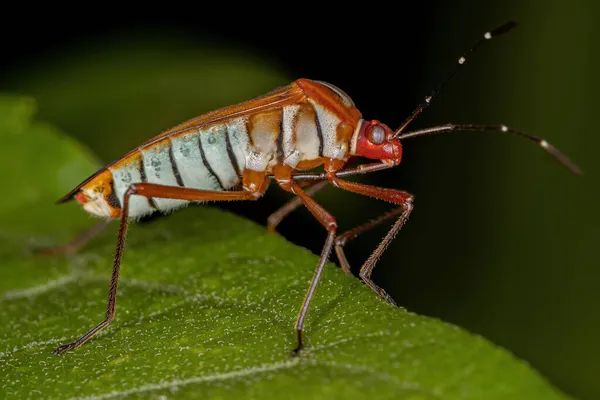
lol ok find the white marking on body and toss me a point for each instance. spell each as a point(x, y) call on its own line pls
point(257, 160)
point(291, 156)
point(214, 144)
point(307, 136)
point(355, 136)
point(488, 35)
point(124, 176)
point(97, 204)
point(293, 159)
point(329, 123)
point(186, 153)
point(238, 136)
point(264, 143)
point(300, 135)
point(339, 152)
point(158, 168)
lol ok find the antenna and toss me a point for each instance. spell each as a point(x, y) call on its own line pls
point(560, 157)
point(502, 29)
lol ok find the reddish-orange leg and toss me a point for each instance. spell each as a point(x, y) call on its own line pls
point(152, 190)
point(362, 169)
point(275, 219)
point(329, 223)
point(78, 242)
point(279, 215)
point(344, 238)
point(403, 199)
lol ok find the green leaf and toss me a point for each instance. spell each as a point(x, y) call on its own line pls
point(206, 308)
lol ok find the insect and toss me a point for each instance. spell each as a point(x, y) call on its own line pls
point(234, 152)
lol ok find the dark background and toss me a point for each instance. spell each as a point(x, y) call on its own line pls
point(503, 241)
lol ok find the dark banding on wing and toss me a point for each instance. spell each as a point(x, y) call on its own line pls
point(319, 132)
point(174, 166)
point(231, 154)
point(113, 199)
point(207, 165)
point(144, 179)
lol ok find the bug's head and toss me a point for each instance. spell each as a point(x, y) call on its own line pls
point(376, 141)
point(96, 195)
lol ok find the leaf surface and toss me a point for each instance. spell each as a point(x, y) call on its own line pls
point(206, 307)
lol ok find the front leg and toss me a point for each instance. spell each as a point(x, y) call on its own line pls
point(405, 202)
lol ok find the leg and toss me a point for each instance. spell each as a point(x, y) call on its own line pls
point(278, 216)
point(152, 190)
point(403, 199)
point(329, 223)
point(358, 170)
point(78, 242)
point(344, 238)
point(112, 294)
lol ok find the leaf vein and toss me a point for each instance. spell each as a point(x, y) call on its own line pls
point(175, 383)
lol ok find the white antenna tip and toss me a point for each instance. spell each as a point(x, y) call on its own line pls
point(504, 128)
point(487, 36)
point(544, 144)
point(462, 60)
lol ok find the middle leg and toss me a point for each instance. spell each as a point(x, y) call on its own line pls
point(285, 210)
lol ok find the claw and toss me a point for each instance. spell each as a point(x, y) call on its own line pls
point(296, 351)
point(386, 296)
point(299, 346)
point(64, 348)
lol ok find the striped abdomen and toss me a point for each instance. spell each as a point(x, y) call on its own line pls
point(301, 126)
point(210, 159)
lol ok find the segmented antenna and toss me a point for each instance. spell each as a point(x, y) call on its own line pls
point(560, 157)
point(502, 29)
